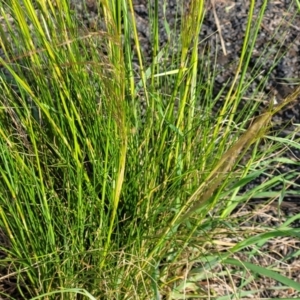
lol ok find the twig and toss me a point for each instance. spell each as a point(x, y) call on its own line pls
point(218, 26)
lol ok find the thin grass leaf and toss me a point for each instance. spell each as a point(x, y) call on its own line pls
point(266, 272)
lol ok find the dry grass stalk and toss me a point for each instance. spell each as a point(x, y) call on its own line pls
point(257, 129)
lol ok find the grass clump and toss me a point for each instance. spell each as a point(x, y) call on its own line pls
point(100, 199)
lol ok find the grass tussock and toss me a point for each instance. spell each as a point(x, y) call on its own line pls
point(101, 199)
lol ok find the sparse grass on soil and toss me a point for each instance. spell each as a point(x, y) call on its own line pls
point(100, 199)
